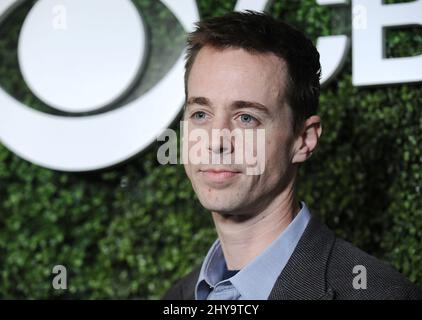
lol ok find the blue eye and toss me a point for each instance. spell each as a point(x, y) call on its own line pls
point(200, 115)
point(246, 118)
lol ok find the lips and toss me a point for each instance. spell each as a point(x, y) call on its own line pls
point(219, 175)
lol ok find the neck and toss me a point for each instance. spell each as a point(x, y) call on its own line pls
point(244, 239)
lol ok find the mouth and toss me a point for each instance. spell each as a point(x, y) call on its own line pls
point(219, 175)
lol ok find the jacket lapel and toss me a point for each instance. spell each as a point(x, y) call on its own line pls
point(188, 289)
point(304, 276)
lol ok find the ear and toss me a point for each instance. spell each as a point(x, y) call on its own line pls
point(307, 140)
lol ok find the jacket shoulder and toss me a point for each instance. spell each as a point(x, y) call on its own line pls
point(354, 274)
point(184, 288)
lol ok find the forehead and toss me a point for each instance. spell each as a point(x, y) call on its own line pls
point(230, 74)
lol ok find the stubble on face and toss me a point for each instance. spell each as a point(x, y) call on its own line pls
point(223, 77)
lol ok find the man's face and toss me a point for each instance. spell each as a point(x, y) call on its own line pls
point(235, 90)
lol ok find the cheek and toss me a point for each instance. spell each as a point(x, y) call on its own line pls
point(277, 154)
point(195, 146)
point(188, 170)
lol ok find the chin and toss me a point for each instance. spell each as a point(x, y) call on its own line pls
point(224, 198)
point(223, 207)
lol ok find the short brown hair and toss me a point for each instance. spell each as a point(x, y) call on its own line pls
point(258, 32)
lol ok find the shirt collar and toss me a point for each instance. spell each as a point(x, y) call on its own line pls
point(270, 262)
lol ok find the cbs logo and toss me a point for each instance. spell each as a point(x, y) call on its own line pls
point(82, 56)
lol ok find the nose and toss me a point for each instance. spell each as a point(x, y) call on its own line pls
point(221, 138)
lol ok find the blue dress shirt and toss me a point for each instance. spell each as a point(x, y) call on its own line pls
point(256, 280)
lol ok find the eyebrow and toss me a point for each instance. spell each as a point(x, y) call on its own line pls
point(239, 104)
point(198, 100)
point(250, 105)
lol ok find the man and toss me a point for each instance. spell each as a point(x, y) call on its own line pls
point(247, 71)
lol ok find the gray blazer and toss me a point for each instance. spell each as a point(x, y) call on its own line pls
point(321, 268)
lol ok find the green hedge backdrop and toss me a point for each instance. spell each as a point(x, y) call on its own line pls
point(132, 230)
